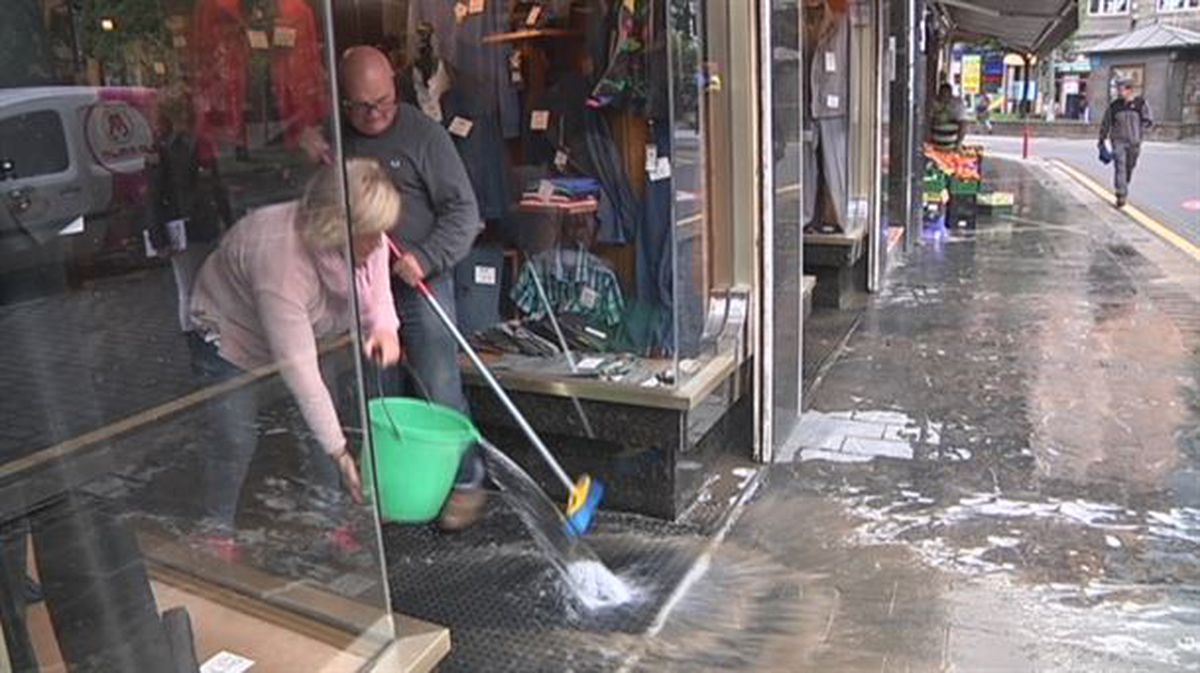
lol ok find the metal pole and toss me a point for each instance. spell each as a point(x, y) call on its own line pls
point(495, 385)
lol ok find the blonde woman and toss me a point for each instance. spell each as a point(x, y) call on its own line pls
point(279, 282)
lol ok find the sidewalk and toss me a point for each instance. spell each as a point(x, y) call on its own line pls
point(1001, 472)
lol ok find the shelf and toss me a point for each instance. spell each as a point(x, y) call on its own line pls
point(533, 34)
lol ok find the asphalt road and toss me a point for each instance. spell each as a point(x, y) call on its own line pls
point(1167, 176)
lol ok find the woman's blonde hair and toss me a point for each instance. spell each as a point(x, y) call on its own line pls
point(374, 203)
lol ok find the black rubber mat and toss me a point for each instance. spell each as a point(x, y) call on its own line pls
point(504, 603)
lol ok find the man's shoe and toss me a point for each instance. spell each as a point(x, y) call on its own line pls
point(463, 508)
point(1120, 202)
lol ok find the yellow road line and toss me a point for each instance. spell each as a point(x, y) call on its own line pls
point(1162, 231)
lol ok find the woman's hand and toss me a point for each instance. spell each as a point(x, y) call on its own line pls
point(383, 347)
point(350, 478)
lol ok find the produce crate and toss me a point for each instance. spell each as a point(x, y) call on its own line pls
point(964, 186)
point(996, 199)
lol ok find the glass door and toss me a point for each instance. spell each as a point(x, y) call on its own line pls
point(782, 263)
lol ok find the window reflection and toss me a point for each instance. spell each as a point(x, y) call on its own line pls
point(176, 296)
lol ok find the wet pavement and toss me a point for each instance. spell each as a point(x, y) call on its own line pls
point(1000, 471)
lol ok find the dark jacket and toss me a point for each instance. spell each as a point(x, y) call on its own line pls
point(1124, 121)
point(439, 218)
point(182, 189)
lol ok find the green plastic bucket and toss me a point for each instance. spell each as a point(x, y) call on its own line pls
point(417, 466)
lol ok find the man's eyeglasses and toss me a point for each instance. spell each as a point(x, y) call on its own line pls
point(382, 106)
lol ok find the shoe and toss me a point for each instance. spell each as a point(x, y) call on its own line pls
point(223, 547)
point(345, 541)
point(1120, 202)
point(464, 508)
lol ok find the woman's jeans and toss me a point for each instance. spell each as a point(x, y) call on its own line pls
point(233, 420)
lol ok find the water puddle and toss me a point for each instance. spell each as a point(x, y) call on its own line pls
point(592, 584)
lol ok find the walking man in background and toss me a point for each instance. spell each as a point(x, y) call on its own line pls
point(1124, 121)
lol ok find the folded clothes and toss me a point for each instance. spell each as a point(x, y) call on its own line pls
point(513, 338)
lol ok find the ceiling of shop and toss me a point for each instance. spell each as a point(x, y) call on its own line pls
point(1034, 26)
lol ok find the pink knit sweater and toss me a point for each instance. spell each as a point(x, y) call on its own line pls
point(268, 297)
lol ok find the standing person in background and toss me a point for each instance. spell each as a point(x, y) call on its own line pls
point(983, 111)
point(188, 209)
point(948, 123)
point(437, 228)
point(1124, 122)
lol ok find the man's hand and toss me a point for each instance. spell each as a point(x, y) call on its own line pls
point(350, 478)
point(383, 347)
point(409, 269)
point(315, 146)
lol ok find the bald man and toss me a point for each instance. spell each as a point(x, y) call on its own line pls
point(439, 218)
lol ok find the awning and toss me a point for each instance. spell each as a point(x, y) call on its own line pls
point(1027, 26)
point(1155, 37)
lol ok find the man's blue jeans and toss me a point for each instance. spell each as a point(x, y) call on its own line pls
point(431, 351)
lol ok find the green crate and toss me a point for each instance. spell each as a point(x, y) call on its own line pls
point(964, 186)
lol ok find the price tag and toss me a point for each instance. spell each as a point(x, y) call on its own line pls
point(832, 102)
point(545, 190)
point(514, 68)
point(485, 275)
point(535, 13)
point(651, 157)
point(539, 120)
point(589, 363)
point(560, 160)
point(226, 662)
point(160, 68)
point(460, 12)
point(461, 127)
point(830, 62)
point(258, 39)
point(476, 7)
point(662, 169)
point(180, 41)
point(588, 298)
point(285, 37)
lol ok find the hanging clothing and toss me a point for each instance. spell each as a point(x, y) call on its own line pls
point(584, 134)
point(624, 82)
point(480, 70)
point(428, 92)
point(655, 254)
point(575, 281)
point(826, 120)
point(481, 148)
point(220, 54)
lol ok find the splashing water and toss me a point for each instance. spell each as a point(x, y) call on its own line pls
point(594, 586)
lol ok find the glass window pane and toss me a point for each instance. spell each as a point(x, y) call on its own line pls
point(183, 415)
point(33, 144)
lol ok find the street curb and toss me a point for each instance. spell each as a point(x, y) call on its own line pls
point(1133, 212)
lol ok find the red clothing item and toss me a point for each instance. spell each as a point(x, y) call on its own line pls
point(298, 72)
point(220, 56)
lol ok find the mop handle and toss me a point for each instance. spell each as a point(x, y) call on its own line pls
point(423, 288)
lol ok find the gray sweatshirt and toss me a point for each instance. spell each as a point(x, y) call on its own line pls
point(1124, 121)
point(439, 218)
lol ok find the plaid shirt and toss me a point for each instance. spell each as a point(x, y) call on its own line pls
point(576, 281)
